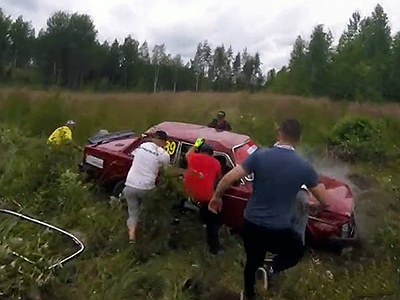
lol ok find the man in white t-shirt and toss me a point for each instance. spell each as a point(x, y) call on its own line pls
point(141, 178)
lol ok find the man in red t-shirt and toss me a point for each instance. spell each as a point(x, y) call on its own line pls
point(200, 179)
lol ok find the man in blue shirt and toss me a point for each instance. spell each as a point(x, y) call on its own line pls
point(279, 173)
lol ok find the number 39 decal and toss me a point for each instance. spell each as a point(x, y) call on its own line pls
point(170, 147)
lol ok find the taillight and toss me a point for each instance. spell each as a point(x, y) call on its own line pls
point(345, 230)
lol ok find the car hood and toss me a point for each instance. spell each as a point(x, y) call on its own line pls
point(341, 200)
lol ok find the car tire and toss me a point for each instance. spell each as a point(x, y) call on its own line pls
point(337, 249)
point(118, 188)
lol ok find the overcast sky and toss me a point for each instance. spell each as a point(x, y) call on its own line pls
point(267, 26)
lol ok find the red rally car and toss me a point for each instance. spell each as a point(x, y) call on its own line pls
point(107, 159)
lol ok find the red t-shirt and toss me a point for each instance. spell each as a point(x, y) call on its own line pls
point(200, 176)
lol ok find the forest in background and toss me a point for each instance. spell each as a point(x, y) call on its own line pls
point(363, 65)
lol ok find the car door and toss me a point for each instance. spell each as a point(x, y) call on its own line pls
point(235, 198)
point(180, 156)
point(172, 146)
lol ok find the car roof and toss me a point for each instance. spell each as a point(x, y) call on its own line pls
point(220, 140)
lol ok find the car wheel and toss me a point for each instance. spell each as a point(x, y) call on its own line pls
point(337, 249)
point(118, 188)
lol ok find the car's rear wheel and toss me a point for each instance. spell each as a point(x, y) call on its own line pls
point(118, 188)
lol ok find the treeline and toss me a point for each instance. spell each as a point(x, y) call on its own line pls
point(68, 54)
point(364, 65)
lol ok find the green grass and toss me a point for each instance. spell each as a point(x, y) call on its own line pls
point(43, 183)
point(249, 113)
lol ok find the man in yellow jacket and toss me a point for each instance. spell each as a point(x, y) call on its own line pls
point(62, 134)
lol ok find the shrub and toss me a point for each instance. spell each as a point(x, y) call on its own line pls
point(157, 231)
point(38, 181)
point(359, 139)
point(30, 168)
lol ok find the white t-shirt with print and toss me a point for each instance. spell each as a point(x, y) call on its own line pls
point(148, 158)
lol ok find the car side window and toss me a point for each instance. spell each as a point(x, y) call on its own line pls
point(181, 161)
point(225, 166)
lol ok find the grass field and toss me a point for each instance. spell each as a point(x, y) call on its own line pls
point(44, 184)
point(255, 113)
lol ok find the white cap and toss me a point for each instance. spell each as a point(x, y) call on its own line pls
point(70, 123)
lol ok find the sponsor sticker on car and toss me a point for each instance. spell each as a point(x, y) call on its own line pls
point(252, 149)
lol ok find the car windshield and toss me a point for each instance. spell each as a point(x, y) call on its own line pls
point(242, 152)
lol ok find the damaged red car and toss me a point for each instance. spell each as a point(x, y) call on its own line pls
point(107, 159)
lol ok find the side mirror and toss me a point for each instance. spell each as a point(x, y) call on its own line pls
point(250, 177)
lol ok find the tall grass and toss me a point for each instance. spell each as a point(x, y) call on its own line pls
point(255, 114)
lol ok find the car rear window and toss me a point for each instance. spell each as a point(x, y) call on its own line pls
point(242, 152)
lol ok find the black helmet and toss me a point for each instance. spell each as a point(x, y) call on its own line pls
point(161, 135)
point(221, 113)
point(206, 148)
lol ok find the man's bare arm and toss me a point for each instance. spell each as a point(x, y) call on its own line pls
point(226, 182)
point(321, 194)
point(190, 151)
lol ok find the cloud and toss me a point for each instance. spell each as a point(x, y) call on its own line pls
point(21, 5)
point(269, 27)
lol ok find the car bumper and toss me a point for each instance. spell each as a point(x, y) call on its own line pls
point(352, 239)
point(345, 242)
point(347, 236)
point(84, 167)
point(89, 170)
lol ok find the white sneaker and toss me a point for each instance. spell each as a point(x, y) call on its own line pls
point(241, 295)
point(262, 274)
